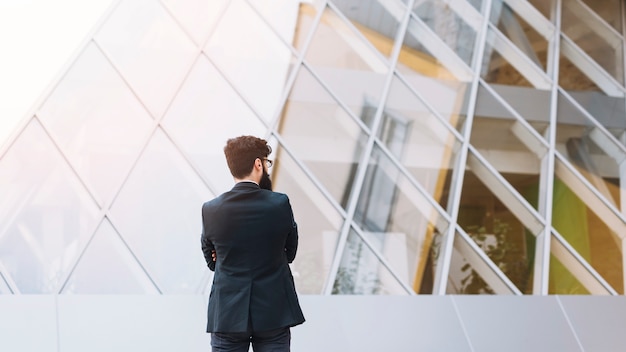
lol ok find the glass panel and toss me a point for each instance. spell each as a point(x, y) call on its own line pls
point(442, 19)
point(197, 16)
point(46, 216)
point(609, 10)
point(506, 144)
point(322, 135)
point(520, 33)
point(478, 4)
point(204, 115)
point(252, 57)
point(338, 56)
point(594, 37)
point(361, 273)
point(531, 104)
point(86, 112)
point(108, 267)
point(498, 231)
point(596, 156)
point(150, 49)
point(571, 78)
point(562, 282)
point(421, 141)
point(463, 277)
point(496, 68)
point(577, 222)
point(319, 223)
point(292, 20)
point(377, 20)
point(424, 53)
point(545, 7)
point(397, 219)
point(163, 183)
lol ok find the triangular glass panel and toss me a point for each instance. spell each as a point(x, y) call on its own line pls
point(149, 49)
point(205, 94)
point(498, 69)
point(590, 149)
point(562, 281)
point(197, 17)
point(545, 7)
point(498, 223)
point(108, 267)
point(421, 141)
point(319, 222)
point(322, 135)
point(162, 182)
point(252, 58)
point(595, 37)
point(425, 54)
point(520, 32)
point(609, 10)
point(478, 4)
point(46, 215)
point(362, 273)
point(464, 277)
point(444, 19)
point(583, 227)
point(377, 20)
point(292, 20)
point(531, 104)
point(350, 60)
point(572, 79)
point(385, 202)
point(84, 114)
point(507, 143)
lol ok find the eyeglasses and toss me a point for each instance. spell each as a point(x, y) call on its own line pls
point(268, 162)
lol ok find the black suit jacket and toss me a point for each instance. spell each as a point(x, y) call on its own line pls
point(254, 235)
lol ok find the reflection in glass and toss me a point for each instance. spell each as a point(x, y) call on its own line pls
point(84, 114)
point(442, 19)
point(362, 273)
point(157, 213)
point(497, 231)
point(507, 144)
point(589, 149)
point(252, 57)
point(562, 281)
point(150, 50)
point(422, 142)
point(107, 267)
point(197, 16)
point(603, 44)
point(398, 220)
point(496, 68)
point(319, 223)
point(520, 33)
point(464, 277)
point(205, 93)
point(322, 135)
point(46, 216)
point(381, 30)
point(338, 56)
point(609, 10)
point(589, 235)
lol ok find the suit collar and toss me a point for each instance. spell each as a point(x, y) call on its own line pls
point(245, 185)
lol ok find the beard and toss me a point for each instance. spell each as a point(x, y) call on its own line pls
point(265, 182)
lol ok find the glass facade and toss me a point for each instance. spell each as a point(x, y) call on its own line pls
point(428, 147)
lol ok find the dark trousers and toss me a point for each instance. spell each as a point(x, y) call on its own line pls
point(266, 341)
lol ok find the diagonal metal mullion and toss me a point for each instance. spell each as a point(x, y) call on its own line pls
point(363, 163)
point(456, 184)
point(4, 275)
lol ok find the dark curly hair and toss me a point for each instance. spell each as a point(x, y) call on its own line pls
point(241, 152)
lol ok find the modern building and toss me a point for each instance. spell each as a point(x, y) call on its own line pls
point(427, 146)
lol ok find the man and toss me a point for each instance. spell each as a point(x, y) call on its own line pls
point(249, 237)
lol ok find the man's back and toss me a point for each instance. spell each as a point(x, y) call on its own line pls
point(254, 237)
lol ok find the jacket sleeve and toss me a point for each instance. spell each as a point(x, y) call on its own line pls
point(291, 244)
point(207, 245)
